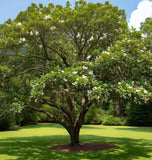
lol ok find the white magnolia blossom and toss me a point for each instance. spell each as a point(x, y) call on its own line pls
point(83, 76)
point(132, 83)
point(91, 72)
point(22, 40)
point(137, 90)
point(75, 72)
point(88, 57)
point(65, 79)
point(61, 21)
point(94, 88)
point(130, 87)
point(53, 27)
point(36, 33)
point(47, 17)
point(19, 24)
point(31, 33)
point(106, 52)
point(84, 67)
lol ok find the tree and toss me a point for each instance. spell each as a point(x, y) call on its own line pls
point(146, 29)
point(70, 58)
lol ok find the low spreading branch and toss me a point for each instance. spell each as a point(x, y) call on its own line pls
point(48, 114)
point(63, 112)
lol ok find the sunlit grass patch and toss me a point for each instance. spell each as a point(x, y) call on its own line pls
point(33, 143)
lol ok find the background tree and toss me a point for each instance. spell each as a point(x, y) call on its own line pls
point(146, 29)
point(70, 58)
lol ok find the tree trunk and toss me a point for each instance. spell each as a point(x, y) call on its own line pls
point(74, 135)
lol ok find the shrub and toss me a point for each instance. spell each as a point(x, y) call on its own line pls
point(6, 122)
point(111, 120)
point(94, 115)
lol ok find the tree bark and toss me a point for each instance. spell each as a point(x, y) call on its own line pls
point(74, 135)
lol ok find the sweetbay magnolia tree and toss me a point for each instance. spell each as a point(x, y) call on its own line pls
point(72, 57)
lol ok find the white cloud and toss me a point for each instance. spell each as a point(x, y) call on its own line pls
point(144, 10)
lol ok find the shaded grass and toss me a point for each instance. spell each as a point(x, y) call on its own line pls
point(33, 143)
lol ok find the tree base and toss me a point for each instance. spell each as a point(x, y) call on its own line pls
point(82, 147)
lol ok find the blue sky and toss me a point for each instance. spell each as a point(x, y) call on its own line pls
point(11, 8)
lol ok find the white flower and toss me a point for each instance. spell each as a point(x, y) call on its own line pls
point(53, 27)
point(145, 91)
point(130, 87)
point(88, 57)
point(36, 33)
point(106, 52)
point(137, 90)
point(119, 83)
point(65, 79)
point(22, 40)
point(85, 67)
point(125, 54)
point(83, 76)
point(47, 17)
point(94, 88)
point(91, 38)
point(61, 21)
point(91, 72)
point(19, 24)
point(31, 33)
point(75, 72)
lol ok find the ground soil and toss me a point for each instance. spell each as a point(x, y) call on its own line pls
point(83, 147)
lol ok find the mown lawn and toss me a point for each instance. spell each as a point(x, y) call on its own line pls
point(33, 143)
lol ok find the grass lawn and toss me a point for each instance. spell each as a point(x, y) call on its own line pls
point(33, 143)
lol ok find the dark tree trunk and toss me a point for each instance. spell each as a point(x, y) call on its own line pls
point(74, 135)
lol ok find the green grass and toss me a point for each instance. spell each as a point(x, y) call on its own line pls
point(33, 143)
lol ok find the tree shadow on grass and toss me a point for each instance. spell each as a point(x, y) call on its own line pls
point(37, 148)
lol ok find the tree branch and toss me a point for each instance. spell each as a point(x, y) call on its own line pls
point(33, 56)
point(28, 70)
point(85, 107)
point(48, 114)
point(64, 57)
point(63, 112)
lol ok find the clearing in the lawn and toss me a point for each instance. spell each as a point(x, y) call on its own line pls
point(34, 142)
